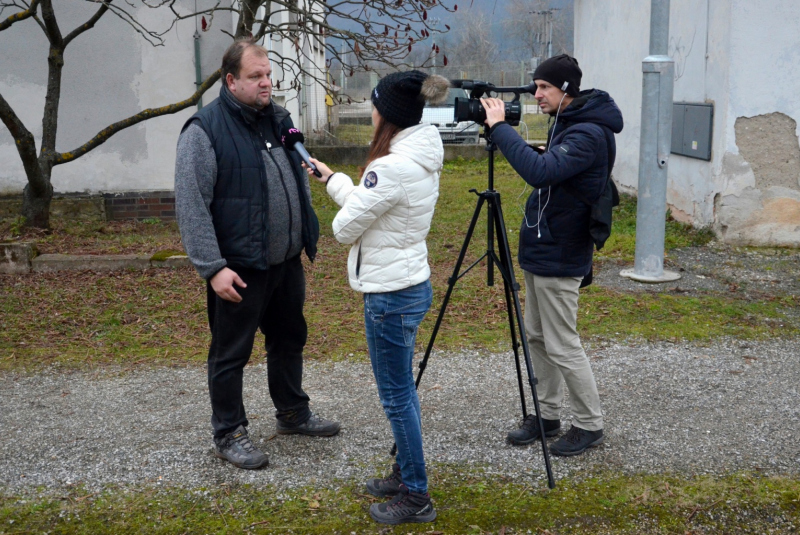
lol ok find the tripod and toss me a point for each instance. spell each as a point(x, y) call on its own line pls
point(496, 229)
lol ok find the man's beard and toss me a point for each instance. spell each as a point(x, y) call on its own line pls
point(261, 103)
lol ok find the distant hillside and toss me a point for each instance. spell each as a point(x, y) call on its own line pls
point(497, 13)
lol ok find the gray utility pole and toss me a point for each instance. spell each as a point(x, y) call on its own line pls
point(654, 149)
point(434, 21)
point(342, 79)
point(548, 27)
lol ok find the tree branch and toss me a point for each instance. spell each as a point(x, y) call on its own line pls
point(51, 25)
point(26, 144)
point(143, 115)
point(247, 17)
point(22, 15)
point(89, 24)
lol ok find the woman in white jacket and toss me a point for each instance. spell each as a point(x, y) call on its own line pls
point(387, 217)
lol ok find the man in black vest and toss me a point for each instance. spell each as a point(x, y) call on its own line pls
point(555, 245)
point(243, 206)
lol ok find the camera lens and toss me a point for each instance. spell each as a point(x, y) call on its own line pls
point(469, 109)
point(472, 110)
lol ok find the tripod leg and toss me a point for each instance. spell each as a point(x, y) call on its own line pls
point(451, 282)
point(507, 270)
point(514, 343)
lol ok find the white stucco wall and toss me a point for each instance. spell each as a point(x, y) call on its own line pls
point(308, 108)
point(742, 57)
point(110, 73)
point(759, 200)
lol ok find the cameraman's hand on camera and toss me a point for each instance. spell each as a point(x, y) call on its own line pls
point(495, 110)
point(324, 170)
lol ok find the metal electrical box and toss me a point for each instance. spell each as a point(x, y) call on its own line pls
point(692, 126)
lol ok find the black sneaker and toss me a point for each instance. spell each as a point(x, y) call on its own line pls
point(529, 430)
point(576, 441)
point(314, 427)
point(388, 486)
point(405, 508)
point(236, 448)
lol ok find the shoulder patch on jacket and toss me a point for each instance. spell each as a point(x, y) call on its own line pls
point(563, 148)
point(371, 180)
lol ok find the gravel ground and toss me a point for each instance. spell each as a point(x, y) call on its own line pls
point(726, 406)
point(669, 407)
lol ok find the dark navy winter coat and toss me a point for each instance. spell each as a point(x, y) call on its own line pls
point(554, 240)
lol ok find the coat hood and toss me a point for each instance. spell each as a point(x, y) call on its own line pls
point(421, 144)
point(594, 106)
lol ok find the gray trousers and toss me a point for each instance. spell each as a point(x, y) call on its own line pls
point(551, 314)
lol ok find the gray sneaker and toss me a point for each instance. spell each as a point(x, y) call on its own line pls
point(405, 508)
point(236, 448)
point(576, 441)
point(314, 427)
point(529, 430)
point(388, 486)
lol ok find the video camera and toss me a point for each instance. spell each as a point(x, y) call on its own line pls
point(471, 109)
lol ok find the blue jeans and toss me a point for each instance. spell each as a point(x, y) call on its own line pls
point(391, 321)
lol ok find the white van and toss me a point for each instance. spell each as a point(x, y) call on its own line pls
point(442, 117)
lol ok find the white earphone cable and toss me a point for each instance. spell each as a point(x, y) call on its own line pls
point(540, 210)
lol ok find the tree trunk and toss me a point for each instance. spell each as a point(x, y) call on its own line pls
point(36, 197)
point(36, 206)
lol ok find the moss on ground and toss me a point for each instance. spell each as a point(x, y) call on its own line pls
point(604, 502)
point(160, 256)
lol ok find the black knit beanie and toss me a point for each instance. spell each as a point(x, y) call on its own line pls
point(559, 70)
point(398, 98)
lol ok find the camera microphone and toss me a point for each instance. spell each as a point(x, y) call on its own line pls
point(292, 139)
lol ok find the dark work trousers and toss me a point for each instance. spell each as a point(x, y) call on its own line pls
point(272, 301)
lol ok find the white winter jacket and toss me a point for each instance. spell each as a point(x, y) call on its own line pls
point(388, 215)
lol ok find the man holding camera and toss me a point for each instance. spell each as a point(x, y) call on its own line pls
point(244, 210)
point(555, 247)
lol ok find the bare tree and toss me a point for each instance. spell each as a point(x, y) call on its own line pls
point(473, 44)
point(374, 31)
point(526, 27)
point(532, 25)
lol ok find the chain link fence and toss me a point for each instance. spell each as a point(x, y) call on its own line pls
point(345, 118)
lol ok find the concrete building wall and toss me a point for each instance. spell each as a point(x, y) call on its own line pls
point(110, 73)
point(307, 106)
point(741, 57)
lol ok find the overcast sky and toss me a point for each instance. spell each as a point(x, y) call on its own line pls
point(495, 11)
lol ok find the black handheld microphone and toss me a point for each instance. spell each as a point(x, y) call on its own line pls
point(292, 139)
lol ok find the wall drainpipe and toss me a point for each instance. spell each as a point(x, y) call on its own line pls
point(198, 76)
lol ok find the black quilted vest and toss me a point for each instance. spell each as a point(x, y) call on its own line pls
point(241, 204)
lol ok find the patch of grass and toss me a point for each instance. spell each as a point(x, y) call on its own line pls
point(158, 316)
point(535, 125)
point(69, 236)
point(82, 319)
point(621, 244)
point(606, 313)
point(466, 502)
point(350, 134)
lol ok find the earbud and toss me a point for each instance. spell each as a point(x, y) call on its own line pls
point(564, 86)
